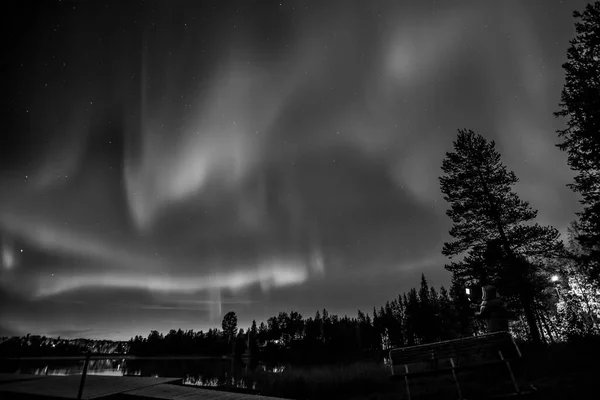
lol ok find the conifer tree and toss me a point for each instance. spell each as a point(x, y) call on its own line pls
point(492, 227)
point(411, 307)
point(580, 105)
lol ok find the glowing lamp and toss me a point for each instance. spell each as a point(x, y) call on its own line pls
point(554, 278)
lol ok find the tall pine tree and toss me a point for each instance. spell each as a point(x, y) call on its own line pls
point(580, 104)
point(491, 224)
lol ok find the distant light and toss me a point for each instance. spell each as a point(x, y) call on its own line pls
point(468, 290)
point(554, 278)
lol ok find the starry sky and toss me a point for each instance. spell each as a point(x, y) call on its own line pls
point(166, 162)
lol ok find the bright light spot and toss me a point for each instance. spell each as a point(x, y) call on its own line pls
point(468, 291)
point(554, 278)
point(278, 370)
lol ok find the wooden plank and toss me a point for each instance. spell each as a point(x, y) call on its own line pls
point(182, 392)
point(68, 386)
point(464, 341)
point(460, 349)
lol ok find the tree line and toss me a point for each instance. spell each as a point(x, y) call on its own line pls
point(421, 315)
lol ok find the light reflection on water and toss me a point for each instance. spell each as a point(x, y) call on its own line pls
point(275, 370)
point(63, 368)
point(63, 373)
point(211, 373)
point(216, 382)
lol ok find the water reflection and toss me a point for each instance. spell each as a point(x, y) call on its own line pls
point(219, 382)
point(216, 372)
point(73, 367)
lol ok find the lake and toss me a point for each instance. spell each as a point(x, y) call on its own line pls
point(195, 371)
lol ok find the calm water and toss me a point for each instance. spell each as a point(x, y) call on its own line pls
point(205, 371)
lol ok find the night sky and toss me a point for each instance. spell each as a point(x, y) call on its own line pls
point(163, 163)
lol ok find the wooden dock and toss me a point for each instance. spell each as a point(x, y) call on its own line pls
point(45, 387)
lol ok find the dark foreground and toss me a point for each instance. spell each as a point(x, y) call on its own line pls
point(561, 371)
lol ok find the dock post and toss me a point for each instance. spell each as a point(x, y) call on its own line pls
point(85, 367)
